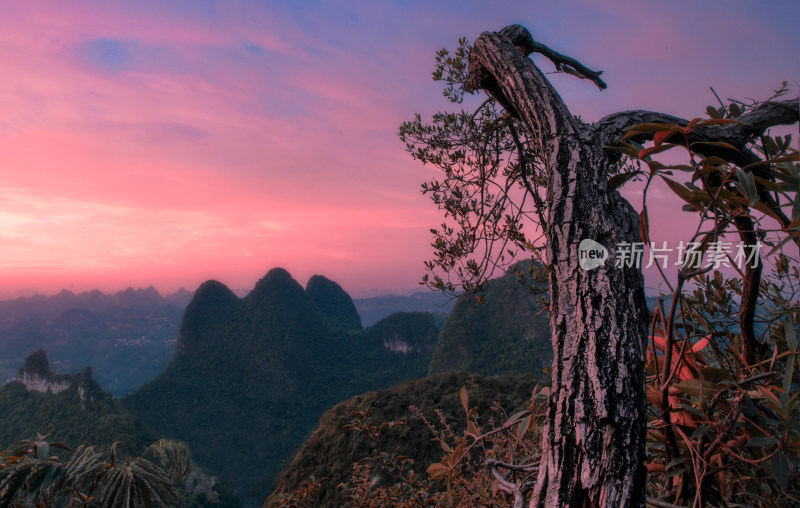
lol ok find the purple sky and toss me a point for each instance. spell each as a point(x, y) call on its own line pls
point(166, 143)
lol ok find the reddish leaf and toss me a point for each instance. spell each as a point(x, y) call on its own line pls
point(700, 345)
point(644, 226)
point(655, 149)
point(679, 189)
point(660, 136)
point(437, 470)
point(649, 127)
point(523, 427)
point(720, 144)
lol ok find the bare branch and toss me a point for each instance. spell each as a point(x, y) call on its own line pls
point(522, 39)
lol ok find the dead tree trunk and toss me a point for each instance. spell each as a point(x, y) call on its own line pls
point(594, 449)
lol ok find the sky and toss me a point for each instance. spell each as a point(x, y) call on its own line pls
point(169, 142)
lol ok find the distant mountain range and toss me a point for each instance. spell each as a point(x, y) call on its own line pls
point(371, 310)
point(48, 307)
point(376, 308)
point(128, 337)
point(245, 380)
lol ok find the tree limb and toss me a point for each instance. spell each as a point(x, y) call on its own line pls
point(523, 40)
point(751, 124)
point(527, 94)
point(769, 114)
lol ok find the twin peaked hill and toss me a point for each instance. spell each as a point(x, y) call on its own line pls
point(250, 377)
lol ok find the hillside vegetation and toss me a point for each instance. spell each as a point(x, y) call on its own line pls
point(80, 411)
point(333, 449)
point(256, 373)
point(509, 333)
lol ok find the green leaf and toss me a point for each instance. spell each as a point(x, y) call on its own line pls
point(683, 192)
point(63, 446)
point(681, 167)
point(745, 180)
point(691, 409)
point(695, 387)
point(791, 336)
point(776, 160)
point(780, 469)
point(762, 442)
point(715, 161)
point(781, 244)
point(715, 374)
point(715, 121)
point(617, 181)
point(673, 463)
point(787, 378)
point(625, 149)
point(719, 144)
point(748, 186)
point(517, 416)
point(761, 207)
point(649, 127)
point(42, 450)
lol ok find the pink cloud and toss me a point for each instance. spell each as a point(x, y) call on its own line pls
point(152, 143)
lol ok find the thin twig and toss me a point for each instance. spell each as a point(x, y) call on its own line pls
point(513, 467)
point(661, 504)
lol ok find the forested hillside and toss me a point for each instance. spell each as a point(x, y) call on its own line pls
point(126, 337)
point(70, 408)
point(333, 449)
point(256, 373)
point(509, 333)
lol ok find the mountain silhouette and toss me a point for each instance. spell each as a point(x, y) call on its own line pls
point(251, 376)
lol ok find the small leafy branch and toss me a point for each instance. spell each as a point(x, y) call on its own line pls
point(493, 185)
point(384, 478)
point(483, 468)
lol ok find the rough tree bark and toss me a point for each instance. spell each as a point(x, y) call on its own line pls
point(594, 446)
